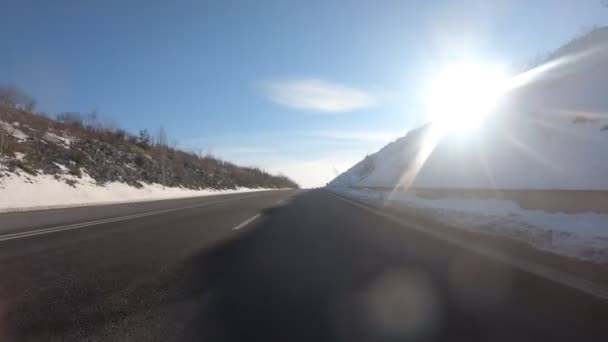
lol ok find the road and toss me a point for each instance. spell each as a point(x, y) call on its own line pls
point(310, 267)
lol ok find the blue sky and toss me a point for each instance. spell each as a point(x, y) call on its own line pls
point(305, 88)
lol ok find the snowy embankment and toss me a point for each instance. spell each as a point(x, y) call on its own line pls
point(583, 236)
point(20, 192)
point(546, 143)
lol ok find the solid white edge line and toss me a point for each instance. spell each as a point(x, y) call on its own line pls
point(50, 230)
point(246, 222)
point(559, 277)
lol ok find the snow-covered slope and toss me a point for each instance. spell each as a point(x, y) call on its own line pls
point(51, 163)
point(551, 133)
point(536, 152)
point(20, 192)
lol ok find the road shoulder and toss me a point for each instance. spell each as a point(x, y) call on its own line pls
point(585, 276)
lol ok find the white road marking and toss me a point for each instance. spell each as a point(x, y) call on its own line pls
point(246, 222)
point(559, 277)
point(20, 235)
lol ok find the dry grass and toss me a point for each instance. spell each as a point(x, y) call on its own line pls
point(157, 163)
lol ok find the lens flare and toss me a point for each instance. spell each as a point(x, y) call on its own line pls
point(462, 95)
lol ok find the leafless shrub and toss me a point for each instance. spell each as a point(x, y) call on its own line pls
point(71, 182)
point(75, 170)
point(13, 97)
point(70, 118)
point(77, 156)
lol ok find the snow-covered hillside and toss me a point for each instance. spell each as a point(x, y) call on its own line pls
point(49, 163)
point(512, 152)
point(513, 177)
point(551, 133)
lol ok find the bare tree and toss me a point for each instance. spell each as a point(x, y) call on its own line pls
point(91, 120)
point(161, 142)
point(174, 143)
point(70, 118)
point(161, 137)
point(1, 146)
point(8, 96)
point(13, 97)
point(28, 104)
point(4, 133)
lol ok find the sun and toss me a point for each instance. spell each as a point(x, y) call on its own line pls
point(461, 95)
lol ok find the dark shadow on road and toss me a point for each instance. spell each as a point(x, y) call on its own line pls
point(310, 272)
point(289, 278)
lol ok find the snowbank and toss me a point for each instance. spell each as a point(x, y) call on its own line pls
point(583, 236)
point(25, 192)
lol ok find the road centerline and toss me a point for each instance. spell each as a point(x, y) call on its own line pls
point(246, 222)
point(30, 233)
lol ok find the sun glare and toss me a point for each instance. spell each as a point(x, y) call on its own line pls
point(462, 95)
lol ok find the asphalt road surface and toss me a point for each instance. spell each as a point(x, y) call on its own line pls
point(310, 267)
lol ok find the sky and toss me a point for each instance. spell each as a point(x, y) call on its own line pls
point(302, 88)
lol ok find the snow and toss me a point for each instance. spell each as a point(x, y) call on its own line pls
point(548, 134)
point(547, 151)
point(12, 130)
point(24, 192)
point(61, 140)
point(19, 156)
point(583, 236)
point(63, 168)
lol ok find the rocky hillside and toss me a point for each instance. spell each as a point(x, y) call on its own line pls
point(69, 148)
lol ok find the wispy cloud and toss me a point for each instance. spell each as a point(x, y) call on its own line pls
point(246, 150)
point(318, 95)
point(310, 157)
